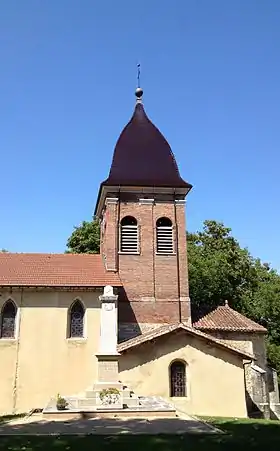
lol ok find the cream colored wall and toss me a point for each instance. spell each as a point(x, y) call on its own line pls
point(253, 343)
point(215, 377)
point(42, 361)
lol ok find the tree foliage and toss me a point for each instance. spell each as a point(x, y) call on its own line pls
point(219, 269)
point(85, 239)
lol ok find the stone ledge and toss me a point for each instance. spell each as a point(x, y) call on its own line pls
point(65, 415)
point(147, 407)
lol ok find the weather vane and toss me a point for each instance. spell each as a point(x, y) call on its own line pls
point(138, 74)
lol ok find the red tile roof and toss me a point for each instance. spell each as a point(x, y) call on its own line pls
point(224, 318)
point(57, 270)
point(164, 330)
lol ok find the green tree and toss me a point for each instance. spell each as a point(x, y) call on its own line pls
point(220, 269)
point(85, 239)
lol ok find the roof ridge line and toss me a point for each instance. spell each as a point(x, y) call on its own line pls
point(48, 253)
point(144, 338)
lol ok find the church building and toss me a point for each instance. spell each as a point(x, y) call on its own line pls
point(68, 321)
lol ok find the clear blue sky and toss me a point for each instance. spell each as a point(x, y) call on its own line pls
point(210, 73)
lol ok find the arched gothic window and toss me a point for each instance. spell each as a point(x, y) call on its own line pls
point(164, 236)
point(129, 235)
point(177, 379)
point(77, 313)
point(8, 320)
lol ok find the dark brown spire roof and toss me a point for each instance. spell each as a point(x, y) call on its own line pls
point(143, 157)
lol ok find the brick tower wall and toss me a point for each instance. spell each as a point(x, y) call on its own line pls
point(151, 290)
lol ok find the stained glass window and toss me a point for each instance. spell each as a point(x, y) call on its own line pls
point(77, 320)
point(178, 379)
point(8, 320)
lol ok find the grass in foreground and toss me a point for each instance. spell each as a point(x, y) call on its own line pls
point(239, 435)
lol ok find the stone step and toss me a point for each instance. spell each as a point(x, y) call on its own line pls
point(131, 402)
point(91, 393)
point(86, 403)
point(90, 399)
point(132, 406)
point(66, 415)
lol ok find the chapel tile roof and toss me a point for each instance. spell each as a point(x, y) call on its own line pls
point(57, 270)
point(224, 318)
point(143, 157)
point(167, 329)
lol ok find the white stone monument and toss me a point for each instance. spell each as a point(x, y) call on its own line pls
point(108, 322)
point(108, 364)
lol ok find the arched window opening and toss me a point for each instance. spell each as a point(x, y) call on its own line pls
point(178, 379)
point(8, 320)
point(77, 320)
point(129, 235)
point(164, 236)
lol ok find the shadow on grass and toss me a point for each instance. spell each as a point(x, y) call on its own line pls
point(153, 435)
point(264, 430)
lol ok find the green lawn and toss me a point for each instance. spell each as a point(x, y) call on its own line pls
point(239, 435)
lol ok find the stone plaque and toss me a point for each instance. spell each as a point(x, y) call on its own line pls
point(108, 291)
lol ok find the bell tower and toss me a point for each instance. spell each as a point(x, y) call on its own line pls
point(141, 206)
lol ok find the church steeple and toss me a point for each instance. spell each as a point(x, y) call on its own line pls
point(143, 232)
point(142, 155)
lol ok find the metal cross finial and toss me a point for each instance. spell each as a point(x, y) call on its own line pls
point(139, 91)
point(138, 74)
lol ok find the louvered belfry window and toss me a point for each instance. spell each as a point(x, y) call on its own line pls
point(129, 235)
point(164, 236)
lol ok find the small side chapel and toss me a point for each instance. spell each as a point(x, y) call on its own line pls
point(76, 323)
